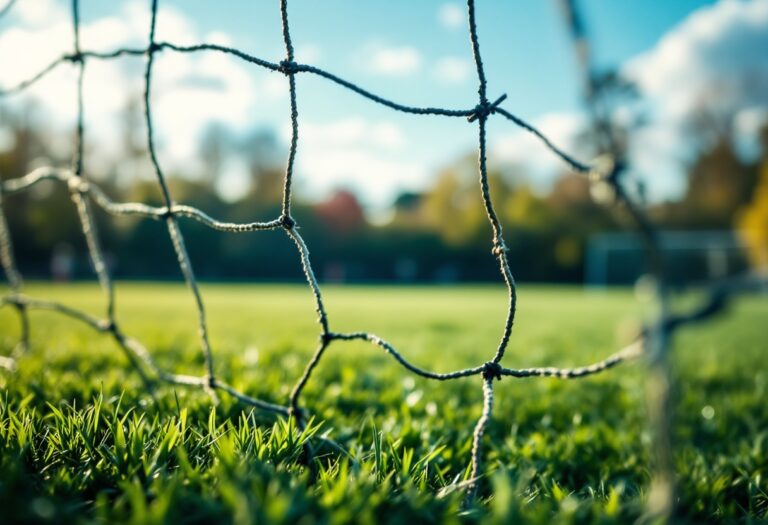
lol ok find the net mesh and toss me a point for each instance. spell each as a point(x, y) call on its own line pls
point(605, 172)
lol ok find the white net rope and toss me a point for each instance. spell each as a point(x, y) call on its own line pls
point(85, 194)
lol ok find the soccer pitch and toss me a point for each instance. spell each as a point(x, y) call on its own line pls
point(81, 438)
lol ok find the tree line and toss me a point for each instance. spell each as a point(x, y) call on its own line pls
point(438, 235)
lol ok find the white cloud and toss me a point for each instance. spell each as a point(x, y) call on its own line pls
point(388, 135)
point(655, 156)
point(451, 16)
point(376, 177)
point(355, 153)
point(522, 149)
point(37, 53)
point(353, 131)
point(748, 124)
point(40, 12)
point(106, 34)
point(308, 54)
point(715, 52)
point(172, 25)
point(340, 132)
point(715, 59)
point(235, 179)
point(274, 86)
point(189, 90)
point(7, 140)
point(395, 60)
point(219, 38)
point(452, 70)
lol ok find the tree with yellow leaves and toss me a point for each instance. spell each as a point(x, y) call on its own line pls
point(752, 222)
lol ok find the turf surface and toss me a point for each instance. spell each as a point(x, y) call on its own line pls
point(82, 441)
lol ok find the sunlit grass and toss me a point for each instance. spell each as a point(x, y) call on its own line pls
point(81, 439)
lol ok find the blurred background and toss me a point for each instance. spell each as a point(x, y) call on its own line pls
point(383, 196)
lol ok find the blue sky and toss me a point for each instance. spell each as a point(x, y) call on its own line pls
point(524, 44)
point(415, 53)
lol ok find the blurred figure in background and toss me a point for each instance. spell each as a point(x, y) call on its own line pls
point(62, 262)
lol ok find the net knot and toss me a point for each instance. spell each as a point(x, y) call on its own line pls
point(16, 300)
point(605, 168)
point(485, 108)
point(287, 222)
point(604, 178)
point(107, 325)
point(75, 58)
point(154, 47)
point(76, 184)
point(296, 413)
point(499, 248)
point(492, 370)
point(288, 67)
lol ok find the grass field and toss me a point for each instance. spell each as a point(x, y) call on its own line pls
point(82, 441)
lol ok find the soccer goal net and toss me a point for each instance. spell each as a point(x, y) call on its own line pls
point(605, 174)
